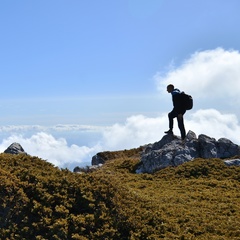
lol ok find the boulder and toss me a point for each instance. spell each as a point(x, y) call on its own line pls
point(226, 149)
point(97, 159)
point(232, 162)
point(15, 148)
point(172, 151)
point(207, 147)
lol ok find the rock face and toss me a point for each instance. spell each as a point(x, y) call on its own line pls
point(15, 148)
point(97, 159)
point(232, 162)
point(172, 151)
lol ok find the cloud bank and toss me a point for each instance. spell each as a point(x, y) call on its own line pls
point(211, 77)
point(136, 131)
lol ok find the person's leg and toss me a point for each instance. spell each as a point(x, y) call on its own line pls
point(181, 126)
point(171, 116)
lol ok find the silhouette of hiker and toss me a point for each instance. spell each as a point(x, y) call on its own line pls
point(178, 111)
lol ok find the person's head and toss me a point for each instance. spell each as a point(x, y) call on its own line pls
point(170, 88)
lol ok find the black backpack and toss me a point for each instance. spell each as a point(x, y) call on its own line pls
point(187, 101)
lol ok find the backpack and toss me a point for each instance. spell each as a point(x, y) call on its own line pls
point(187, 101)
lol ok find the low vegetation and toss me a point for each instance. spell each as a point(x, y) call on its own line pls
point(197, 200)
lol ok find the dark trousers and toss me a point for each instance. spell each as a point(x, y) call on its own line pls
point(171, 116)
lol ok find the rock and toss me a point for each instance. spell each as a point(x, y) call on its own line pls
point(15, 148)
point(226, 148)
point(172, 151)
point(77, 169)
point(97, 159)
point(169, 151)
point(232, 162)
point(207, 147)
point(86, 169)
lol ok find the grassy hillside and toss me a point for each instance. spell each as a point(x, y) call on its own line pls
point(197, 200)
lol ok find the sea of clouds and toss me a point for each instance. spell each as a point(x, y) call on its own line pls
point(212, 77)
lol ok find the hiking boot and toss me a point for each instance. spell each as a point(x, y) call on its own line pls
point(169, 132)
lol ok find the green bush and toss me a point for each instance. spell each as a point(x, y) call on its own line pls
point(197, 200)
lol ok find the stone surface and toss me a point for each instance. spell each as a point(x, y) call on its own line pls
point(15, 148)
point(97, 159)
point(172, 151)
point(232, 162)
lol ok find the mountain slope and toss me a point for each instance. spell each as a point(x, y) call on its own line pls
point(197, 200)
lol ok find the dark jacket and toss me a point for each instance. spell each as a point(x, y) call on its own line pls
point(177, 99)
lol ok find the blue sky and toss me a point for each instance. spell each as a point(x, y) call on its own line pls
point(106, 63)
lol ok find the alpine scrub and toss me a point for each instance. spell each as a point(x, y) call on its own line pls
point(197, 200)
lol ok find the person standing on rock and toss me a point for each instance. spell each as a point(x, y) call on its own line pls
point(178, 111)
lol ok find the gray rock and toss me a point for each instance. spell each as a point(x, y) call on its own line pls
point(207, 146)
point(172, 151)
point(232, 162)
point(226, 148)
point(15, 148)
point(86, 169)
point(97, 159)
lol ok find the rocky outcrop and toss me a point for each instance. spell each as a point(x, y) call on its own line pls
point(86, 169)
point(172, 151)
point(15, 148)
point(232, 162)
point(97, 159)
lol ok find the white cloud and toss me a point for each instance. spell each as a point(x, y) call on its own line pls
point(57, 128)
point(211, 76)
point(136, 131)
point(214, 124)
point(56, 151)
point(141, 130)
